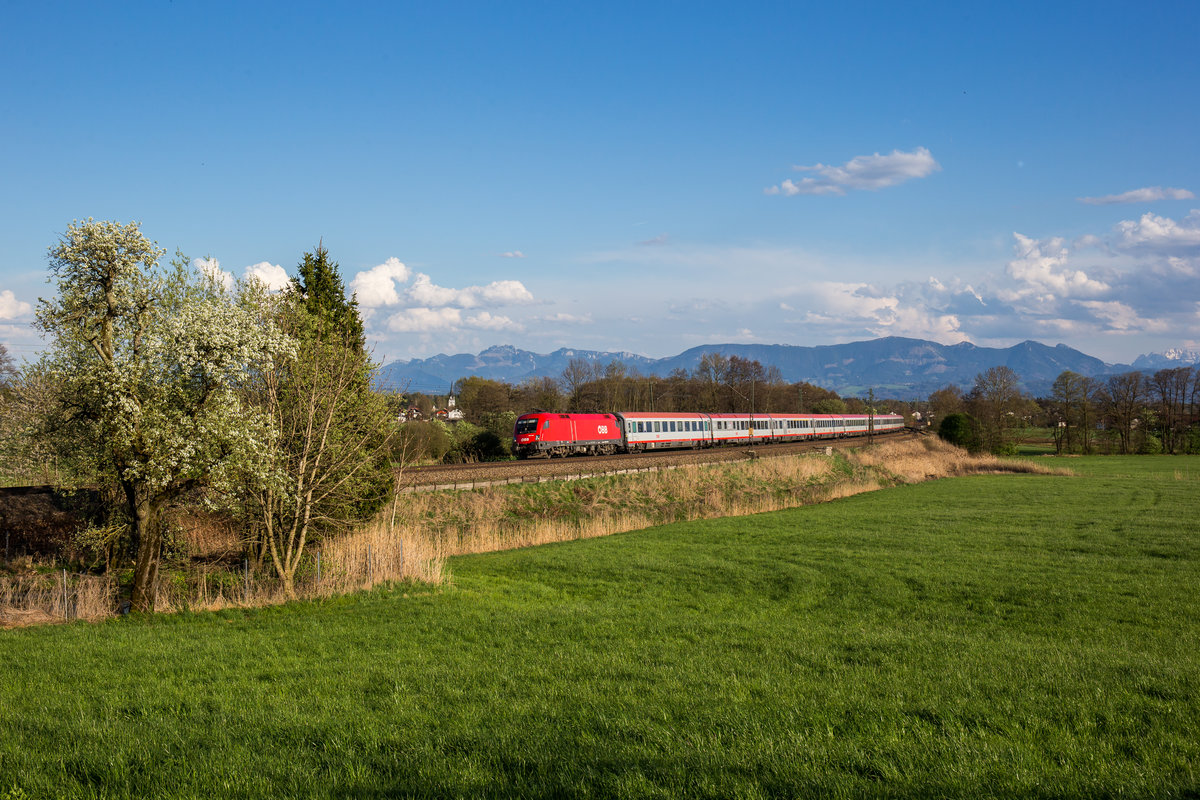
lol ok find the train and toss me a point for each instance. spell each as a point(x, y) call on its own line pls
point(553, 435)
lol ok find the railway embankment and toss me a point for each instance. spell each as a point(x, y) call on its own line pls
point(639, 495)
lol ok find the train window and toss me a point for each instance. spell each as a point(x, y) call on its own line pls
point(657, 427)
point(545, 424)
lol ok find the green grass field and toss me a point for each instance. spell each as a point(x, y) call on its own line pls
point(1031, 636)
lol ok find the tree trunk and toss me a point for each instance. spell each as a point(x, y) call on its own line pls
point(148, 536)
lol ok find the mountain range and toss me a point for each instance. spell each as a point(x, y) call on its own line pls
point(892, 366)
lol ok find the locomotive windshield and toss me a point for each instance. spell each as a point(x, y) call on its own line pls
point(527, 425)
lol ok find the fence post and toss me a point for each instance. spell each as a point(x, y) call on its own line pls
point(246, 577)
point(65, 606)
point(401, 559)
point(318, 569)
point(369, 564)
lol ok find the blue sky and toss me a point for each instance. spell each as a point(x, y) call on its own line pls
point(632, 176)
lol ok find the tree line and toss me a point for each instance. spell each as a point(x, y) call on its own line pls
point(1129, 413)
point(718, 384)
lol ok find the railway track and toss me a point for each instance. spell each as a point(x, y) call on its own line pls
point(549, 468)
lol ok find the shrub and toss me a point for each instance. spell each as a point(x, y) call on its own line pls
point(961, 430)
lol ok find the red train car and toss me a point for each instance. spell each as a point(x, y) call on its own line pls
point(546, 434)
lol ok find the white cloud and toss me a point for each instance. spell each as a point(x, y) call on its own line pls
point(382, 285)
point(504, 293)
point(1148, 194)
point(273, 276)
point(491, 322)
point(1118, 316)
point(1153, 232)
point(574, 319)
point(425, 292)
point(883, 312)
point(426, 320)
point(861, 172)
point(377, 286)
point(11, 307)
point(421, 320)
point(212, 268)
point(850, 300)
point(662, 238)
point(512, 254)
point(1040, 271)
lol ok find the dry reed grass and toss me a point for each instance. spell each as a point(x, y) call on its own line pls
point(929, 458)
point(40, 598)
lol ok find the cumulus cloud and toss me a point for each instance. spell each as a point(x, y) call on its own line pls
point(487, 321)
point(211, 267)
point(414, 320)
point(414, 303)
point(1148, 194)
point(377, 286)
point(425, 292)
point(273, 276)
point(425, 320)
point(883, 311)
point(871, 173)
point(1162, 234)
point(1118, 316)
point(384, 285)
point(11, 307)
point(1041, 271)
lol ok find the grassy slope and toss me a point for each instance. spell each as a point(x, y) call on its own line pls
point(1008, 635)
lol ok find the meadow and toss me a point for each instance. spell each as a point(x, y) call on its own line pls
point(995, 635)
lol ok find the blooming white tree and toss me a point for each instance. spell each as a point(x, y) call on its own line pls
point(152, 359)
